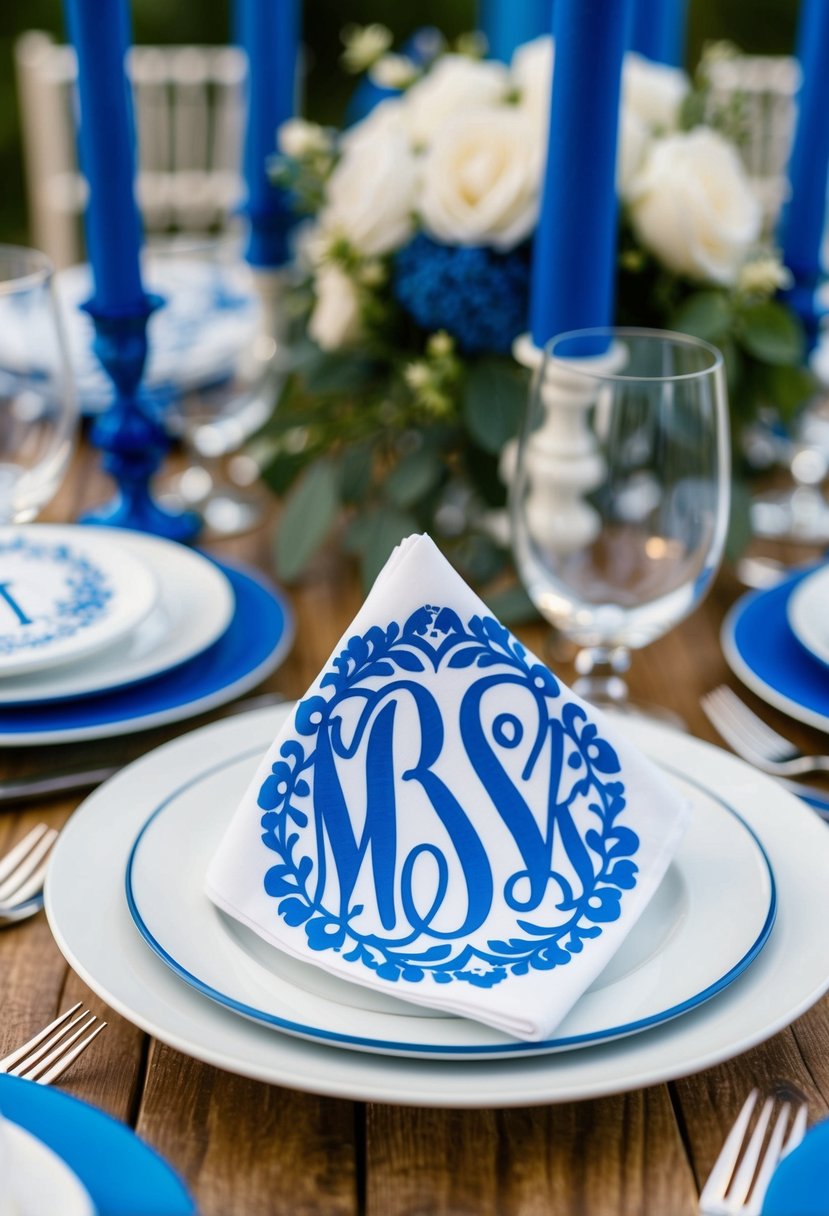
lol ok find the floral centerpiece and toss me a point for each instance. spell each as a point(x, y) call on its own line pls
point(413, 279)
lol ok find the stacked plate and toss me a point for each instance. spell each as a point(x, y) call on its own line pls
point(723, 957)
point(105, 632)
point(777, 642)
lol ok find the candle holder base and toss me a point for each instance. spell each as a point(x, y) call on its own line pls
point(142, 514)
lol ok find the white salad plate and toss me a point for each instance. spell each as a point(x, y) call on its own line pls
point(41, 1183)
point(88, 911)
point(194, 608)
point(676, 956)
point(65, 592)
point(808, 613)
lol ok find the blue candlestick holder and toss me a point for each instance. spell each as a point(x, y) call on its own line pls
point(130, 432)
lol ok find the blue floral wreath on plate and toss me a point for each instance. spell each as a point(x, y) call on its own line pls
point(88, 592)
point(432, 637)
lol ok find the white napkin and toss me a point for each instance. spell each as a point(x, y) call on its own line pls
point(443, 820)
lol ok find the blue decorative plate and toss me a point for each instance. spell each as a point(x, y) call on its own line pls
point(762, 651)
point(66, 592)
point(123, 1176)
point(798, 1186)
point(255, 642)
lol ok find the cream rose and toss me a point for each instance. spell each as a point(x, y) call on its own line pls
point(692, 206)
point(335, 321)
point(455, 85)
point(481, 180)
point(633, 144)
point(531, 74)
point(653, 92)
point(371, 195)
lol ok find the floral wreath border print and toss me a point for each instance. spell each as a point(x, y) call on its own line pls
point(436, 636)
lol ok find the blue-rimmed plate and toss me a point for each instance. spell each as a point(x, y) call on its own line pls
point(124, 1177)
point(66, 592)
point(195, 606)
point(254, 643)
point(808, 613)
point(762, 651)
point(675, 958)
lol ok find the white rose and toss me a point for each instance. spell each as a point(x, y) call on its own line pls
point(531, 73)
point(653, 92)
point(335, 321)
point(633, 144)
point(692, 206)
point(298, 138)
point(384, 119)
point(371, 195)
point(481, 180)
point(454, 85)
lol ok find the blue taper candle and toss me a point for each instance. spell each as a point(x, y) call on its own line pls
point(506, 24)
point(574, 251)
point(106, 147)
point(269, 34)
point(658, 30)
point(803, 220)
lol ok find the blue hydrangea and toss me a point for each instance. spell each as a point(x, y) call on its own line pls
point(477, 295)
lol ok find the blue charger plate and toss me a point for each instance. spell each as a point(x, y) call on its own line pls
point(799, 1186)
point(763, 652)
point(123, 1175)
point(255, 642)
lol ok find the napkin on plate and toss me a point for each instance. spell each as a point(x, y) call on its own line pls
point(442, 819)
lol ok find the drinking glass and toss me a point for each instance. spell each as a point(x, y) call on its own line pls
point(38, 416)
point(619, 496)
point(223, 388)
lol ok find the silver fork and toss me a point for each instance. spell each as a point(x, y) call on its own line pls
point(22, 873)
point(741, 1175)
point(756, 742)
point(50, 1052)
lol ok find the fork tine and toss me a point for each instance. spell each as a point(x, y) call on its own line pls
point(765, 738)
point(769, 1164)
point(740, 1187)
point(59, 1059)
point(717, 1182)
point(34, 864)
point(10, 1060)
point(10, 861)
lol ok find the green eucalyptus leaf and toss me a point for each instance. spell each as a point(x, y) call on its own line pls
point(511, 605)
point(705, 314)
point(357, 468)
point(379, 533)
point(494, 399)
point(307, 517)
point(413, 478)
point(739, 521)
point(346, 373)
point(788, 388)
point(770, 332)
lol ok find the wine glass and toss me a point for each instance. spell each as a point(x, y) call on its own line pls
point(620, 493)
point(219, 387)
point(38, 415)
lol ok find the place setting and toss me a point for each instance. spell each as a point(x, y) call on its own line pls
point(465, 912)
point(107, 632)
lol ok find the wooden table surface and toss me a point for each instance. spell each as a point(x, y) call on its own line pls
point(247, 1148)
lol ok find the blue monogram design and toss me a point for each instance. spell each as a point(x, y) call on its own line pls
point(83, 599)
point(370, 836)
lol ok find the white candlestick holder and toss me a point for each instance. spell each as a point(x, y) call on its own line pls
point(563, 461)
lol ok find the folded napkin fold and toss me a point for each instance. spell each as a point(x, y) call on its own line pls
point(443, 819)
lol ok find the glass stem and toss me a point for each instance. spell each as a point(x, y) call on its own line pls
point(600, 675)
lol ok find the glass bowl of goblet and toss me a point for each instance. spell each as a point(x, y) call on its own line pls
point(619, 495)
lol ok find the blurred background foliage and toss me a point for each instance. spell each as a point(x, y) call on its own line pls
point(758, 26)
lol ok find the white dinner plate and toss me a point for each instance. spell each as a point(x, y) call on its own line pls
point(676, 956)
point(42, 1184)
point(65, 592)
point(87, 909)
point(194, 608)
point(808, 613)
